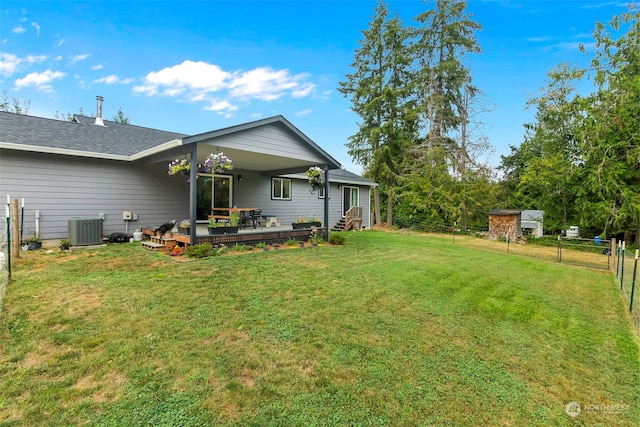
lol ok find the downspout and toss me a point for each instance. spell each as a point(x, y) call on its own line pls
point(326, 203)
point(193, 173)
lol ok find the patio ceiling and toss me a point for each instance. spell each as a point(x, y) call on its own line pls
point(261, 162)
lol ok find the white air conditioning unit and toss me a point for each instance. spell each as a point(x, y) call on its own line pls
point(85, 231)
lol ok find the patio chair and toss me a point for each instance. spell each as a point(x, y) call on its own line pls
point(254, 217)
point(245, 219)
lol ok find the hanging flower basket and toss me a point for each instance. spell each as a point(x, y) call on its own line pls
point(179, 166)
point(316, 177)
point(215, 163)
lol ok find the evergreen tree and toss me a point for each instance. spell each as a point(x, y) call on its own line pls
point(120, 117)
point(380, 89)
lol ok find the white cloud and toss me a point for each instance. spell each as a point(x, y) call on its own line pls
point(113, 79)
point(77, 58)
point(37, 27)
point(18, 30)
point(97, 67)
point(566, 46)
point(325, 96)
point(39, 80)
point(8, 64)
point(262, 83)
point(60, 43)
point(304, 90)
point(201, 81)
point(37, 59)
point(58, 58)
point(188, 76)
point(539, 39)
point(222, 106)
point(305, 112)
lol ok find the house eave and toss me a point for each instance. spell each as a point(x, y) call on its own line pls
point(157, 149)
point(62, 151)
point(79, 153)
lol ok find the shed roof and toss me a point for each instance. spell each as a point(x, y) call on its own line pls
point(532, 215)
point(505, 212)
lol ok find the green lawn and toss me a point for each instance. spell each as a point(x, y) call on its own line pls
point(390, 329)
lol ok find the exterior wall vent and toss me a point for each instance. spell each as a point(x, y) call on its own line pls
point(85, 231)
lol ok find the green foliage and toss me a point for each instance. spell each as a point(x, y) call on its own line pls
point(336, 238)
point(33, 237)
point(234, 218)
point(291, 242)
point(121, 117)
point(380, 89)
point(14, 105)
point(239, 248)
point(315, 237)
point(580, 161)
point(201, 250)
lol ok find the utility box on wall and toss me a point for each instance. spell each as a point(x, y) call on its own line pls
point(85, 231)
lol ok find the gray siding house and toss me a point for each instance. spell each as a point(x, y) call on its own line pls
point(95, 168)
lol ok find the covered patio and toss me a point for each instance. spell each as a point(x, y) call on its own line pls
point(261, 151)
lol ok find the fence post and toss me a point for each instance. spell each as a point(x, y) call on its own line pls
point(559, 252)
point(8, 239)
point(612, 253)
point(622, 267)
point(633, 281)
point(618, 260)
point(16, 228)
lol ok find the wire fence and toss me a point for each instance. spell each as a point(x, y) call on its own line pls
point(593, 253)
point(627, 277)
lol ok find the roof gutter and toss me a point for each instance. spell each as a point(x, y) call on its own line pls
point(91, 154)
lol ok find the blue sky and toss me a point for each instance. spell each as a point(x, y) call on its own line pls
point(197, 66)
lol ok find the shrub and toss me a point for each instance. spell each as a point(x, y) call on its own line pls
point(201, 250)
point(291, 242)
point(336, 238)
point(239, 248)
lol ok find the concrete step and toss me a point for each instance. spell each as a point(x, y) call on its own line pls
point(152, 246)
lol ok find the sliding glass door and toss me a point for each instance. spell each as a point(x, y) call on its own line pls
point(213, 192)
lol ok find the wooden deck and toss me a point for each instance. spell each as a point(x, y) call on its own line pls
point(245, 236)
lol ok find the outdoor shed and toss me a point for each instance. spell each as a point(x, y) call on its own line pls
point(503, 222)
point(532, 221)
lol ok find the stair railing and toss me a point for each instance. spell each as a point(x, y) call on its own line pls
point(352, 217)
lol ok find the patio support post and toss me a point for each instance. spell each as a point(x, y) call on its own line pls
point(326, 203)
point(193, 174)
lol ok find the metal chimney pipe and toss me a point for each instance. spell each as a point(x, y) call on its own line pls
point(99, 120)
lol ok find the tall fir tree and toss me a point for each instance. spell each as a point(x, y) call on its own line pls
point(380, 92)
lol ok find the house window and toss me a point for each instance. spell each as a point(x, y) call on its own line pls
point(280, 189)
point(321, 193)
